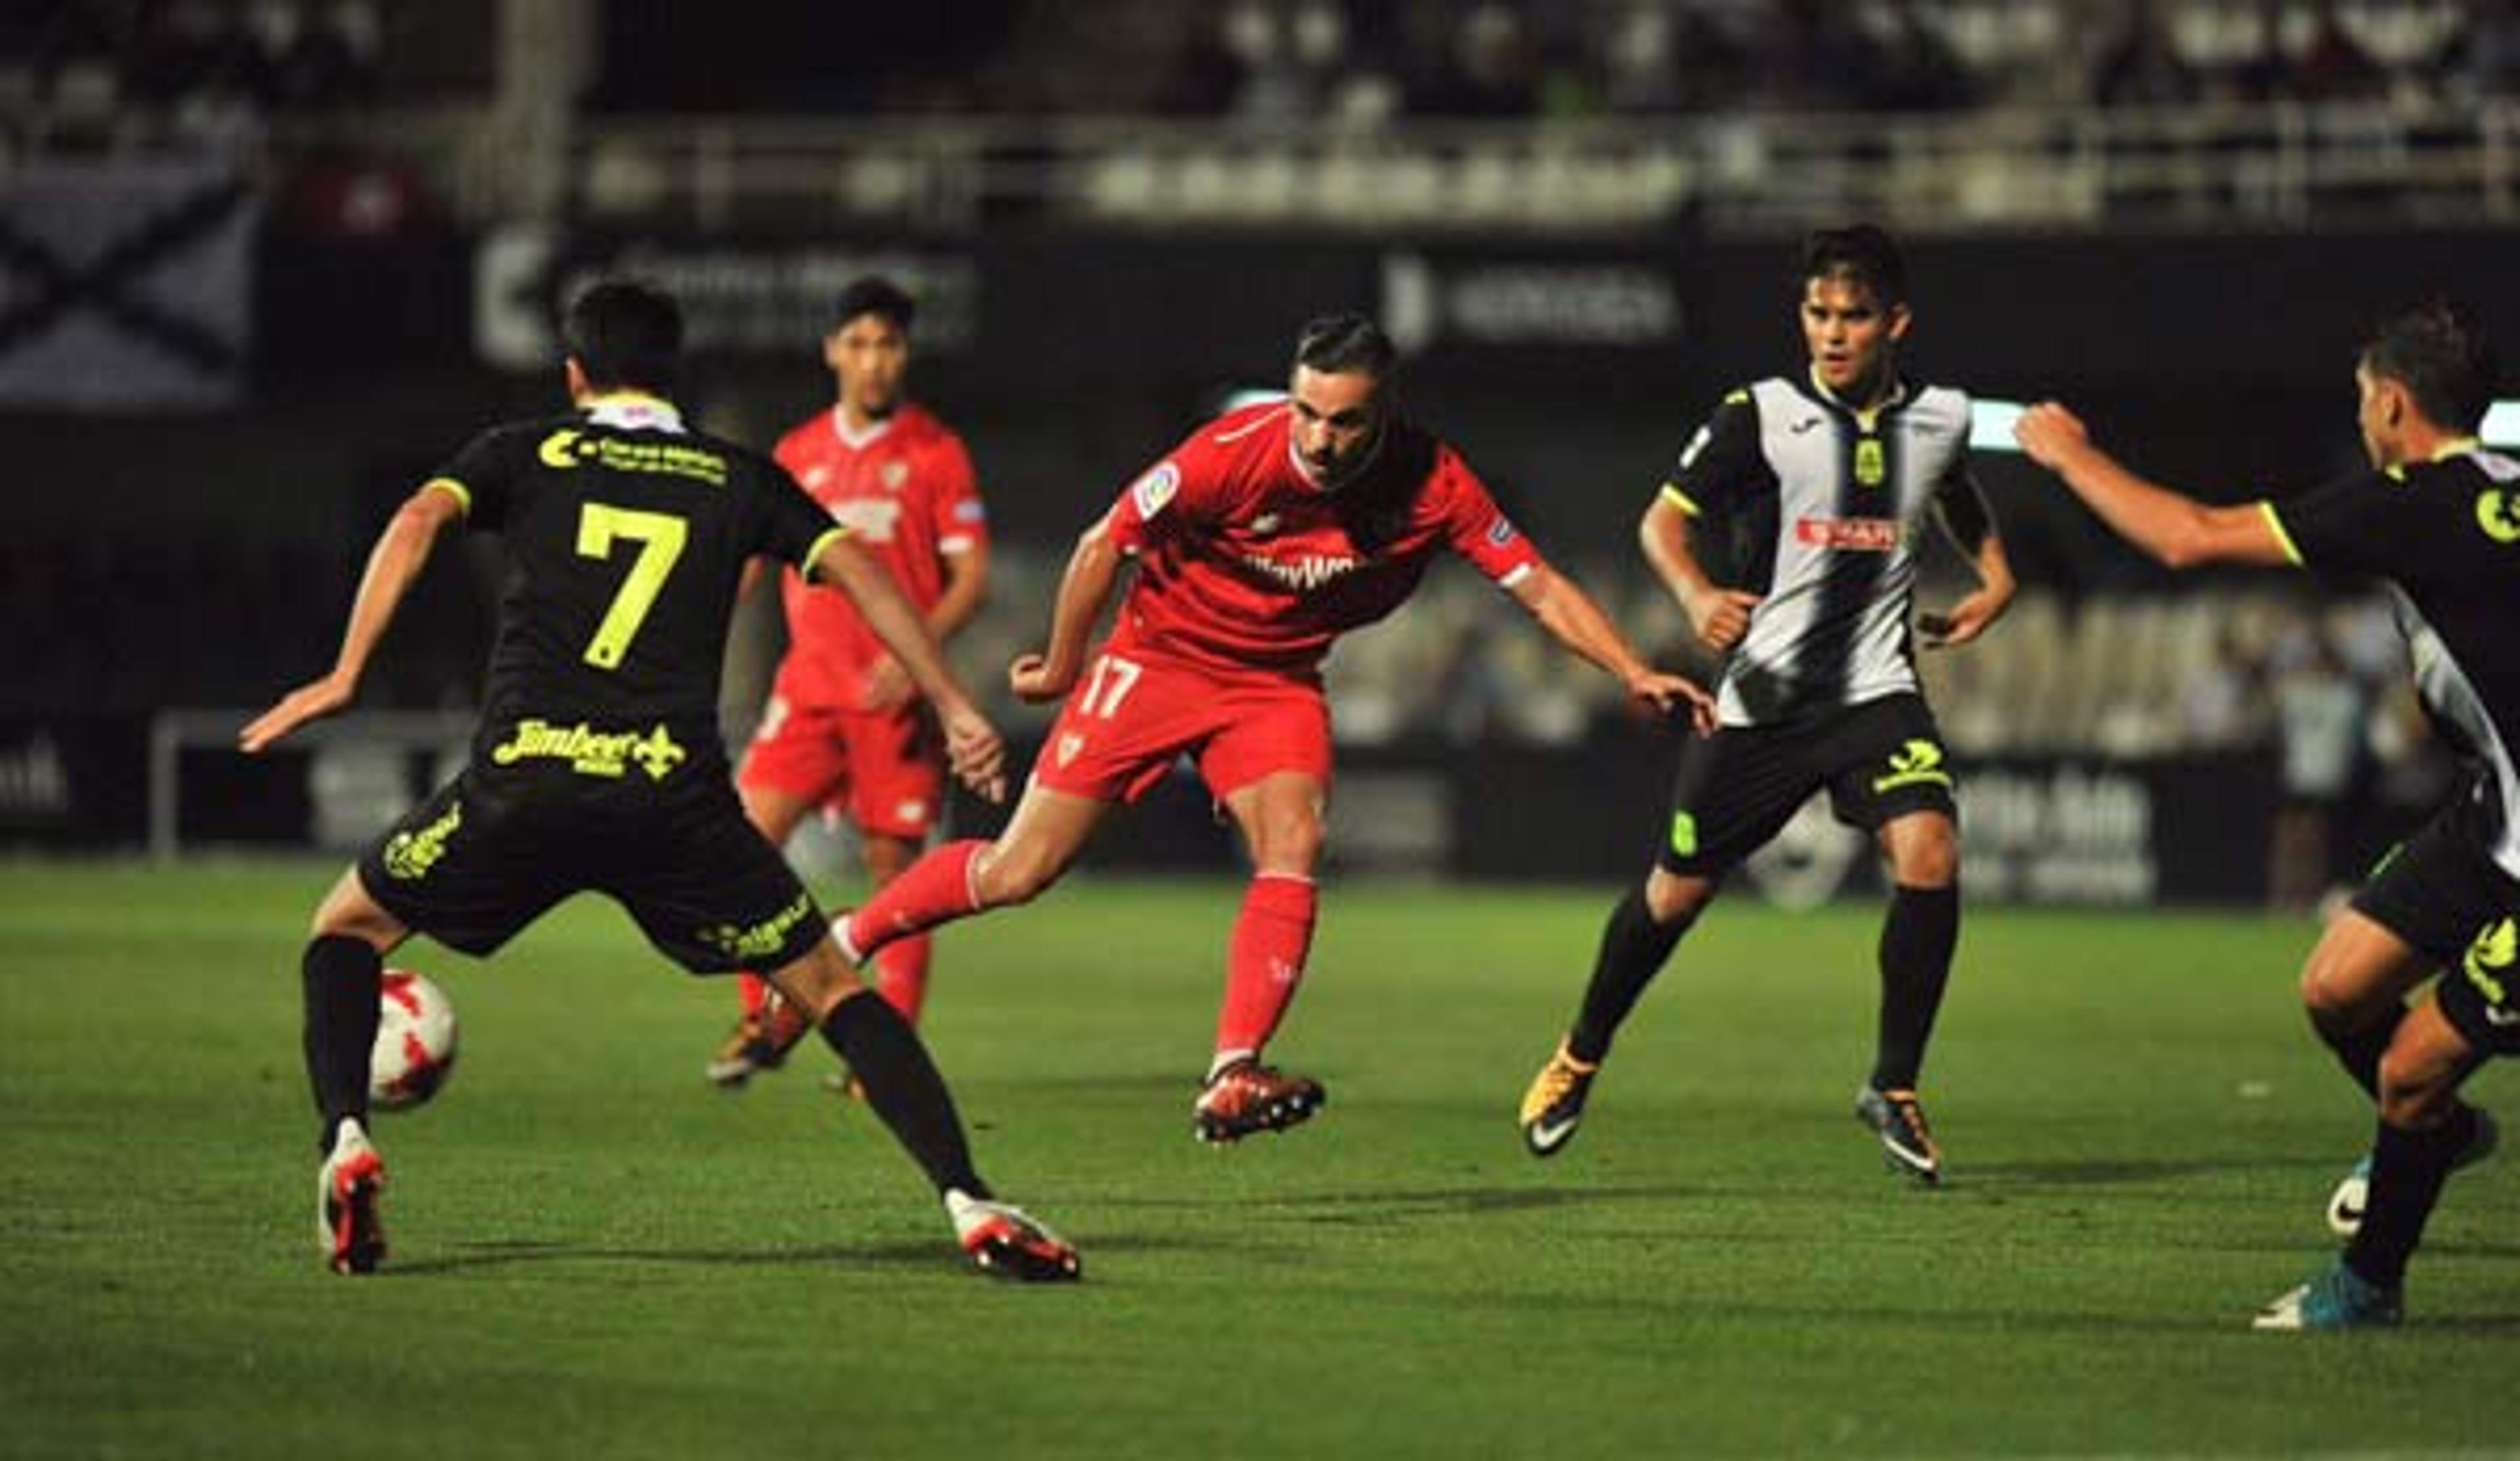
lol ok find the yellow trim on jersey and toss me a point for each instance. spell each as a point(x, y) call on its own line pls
point(462, 494)
point(2282, 537)
point(1680, 499)
point(831, 535)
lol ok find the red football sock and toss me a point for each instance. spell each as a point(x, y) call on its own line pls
point(753, 991)
point(1270, 940)
point(903, 980)
point(936, 889)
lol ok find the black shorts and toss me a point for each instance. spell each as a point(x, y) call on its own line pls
point(2443, 894)
point(498, 846)
point(1736, 788)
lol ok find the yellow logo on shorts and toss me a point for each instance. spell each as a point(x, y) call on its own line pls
point(410, 855)
point(590, 752)
point(1918, 762)
point(2494, 950)
point(761, 940)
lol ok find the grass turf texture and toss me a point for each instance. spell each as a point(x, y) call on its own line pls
point(595, 1254)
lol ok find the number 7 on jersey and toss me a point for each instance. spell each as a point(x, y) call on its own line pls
point(660, 537)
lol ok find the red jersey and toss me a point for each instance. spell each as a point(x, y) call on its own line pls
point(906, 493)
point(1245, 563)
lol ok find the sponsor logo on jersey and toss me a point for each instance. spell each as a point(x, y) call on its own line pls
point(870, 519)
point(591, 752)
point(2487, 960)
point(569, 448)
point(408, 856)
point(2497, 512)
point(1847, 534)
point(762, 939)
point(1156, 488)
point(1305, 573)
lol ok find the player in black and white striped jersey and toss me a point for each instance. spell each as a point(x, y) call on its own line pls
point(1826, 480)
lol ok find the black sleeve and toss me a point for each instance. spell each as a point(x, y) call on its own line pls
point(792, 523)
point(485, 472)
point(1963, 505)
point(2351, 525)
point(1723, 468)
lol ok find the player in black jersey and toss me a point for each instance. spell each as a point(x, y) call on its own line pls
point(2437, 518)
point(598, 764)
point(1829, 480)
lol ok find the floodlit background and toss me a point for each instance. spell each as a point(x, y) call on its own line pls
point(263, 264)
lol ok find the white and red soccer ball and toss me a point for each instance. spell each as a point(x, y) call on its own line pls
point(415, 1049)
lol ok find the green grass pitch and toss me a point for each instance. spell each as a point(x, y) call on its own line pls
point(596, 1254)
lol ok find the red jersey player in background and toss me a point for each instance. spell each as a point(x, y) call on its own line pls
point(1260, 540)
point(844, 731)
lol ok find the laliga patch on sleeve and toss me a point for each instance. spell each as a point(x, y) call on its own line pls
point(1501, 533)
point(1156, 488)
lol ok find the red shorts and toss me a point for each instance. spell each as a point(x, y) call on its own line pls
point(884, 771)
point(1130, 716)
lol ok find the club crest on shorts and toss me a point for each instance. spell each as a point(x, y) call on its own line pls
point(1068, 745)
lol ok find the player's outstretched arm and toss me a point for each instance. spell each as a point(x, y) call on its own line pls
point(2174, 529)
point(1962, 511)
point(1093, 575)
point(1575, 621)
point(973, 747)
point(401, 551)
point(1719, 615)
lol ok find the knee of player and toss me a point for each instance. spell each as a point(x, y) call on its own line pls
point(2327, 1000)
point(2413, 1098)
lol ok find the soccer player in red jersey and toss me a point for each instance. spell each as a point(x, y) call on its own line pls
point(844, 730)
point(1259, 541)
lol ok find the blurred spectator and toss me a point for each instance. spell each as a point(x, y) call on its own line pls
point(1489, 67)
point(2335, 67)
point(2142, 66)
point(2319, 711)
point(2486, 51)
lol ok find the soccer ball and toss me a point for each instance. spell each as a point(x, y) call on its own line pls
point(415, 1049)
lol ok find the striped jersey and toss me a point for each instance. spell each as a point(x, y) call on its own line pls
point(1823, 504)
point(2444, 537)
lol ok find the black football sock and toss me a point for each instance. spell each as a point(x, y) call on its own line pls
point(2359, 1050)
point(2407, 1171)
point(342, 978)
point(903, 1086)
point(1634, 947)
point(1918, 937)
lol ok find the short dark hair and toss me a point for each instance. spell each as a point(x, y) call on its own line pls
point(1862, 254)
point(624, 333)
point(1343, 343)
point(2445, 363)
point(873, 295)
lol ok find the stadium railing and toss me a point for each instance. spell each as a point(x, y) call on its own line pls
point(2279, 165)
